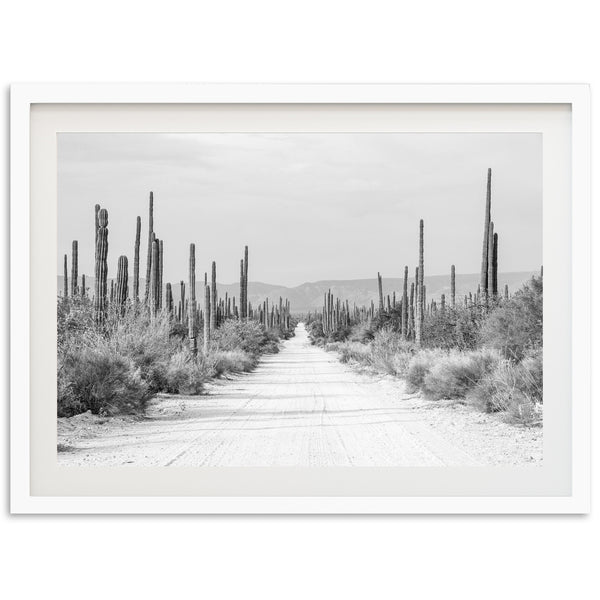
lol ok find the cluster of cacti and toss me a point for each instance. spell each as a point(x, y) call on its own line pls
point(187, 312)
point(413, 307)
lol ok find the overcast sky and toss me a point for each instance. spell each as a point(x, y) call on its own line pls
point(309, 206)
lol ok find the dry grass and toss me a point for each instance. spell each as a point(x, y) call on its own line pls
point(116, 368)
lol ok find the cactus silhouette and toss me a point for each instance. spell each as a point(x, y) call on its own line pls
point(136, 260)
point(486, 237)
point(74, 274)
point(207, 317)
point(214, 301)
point(65, 279)
point(192, 300)
point(122, 282)
point(420, 290)
point(150, 241)
point(101, 268)
point(153, 289)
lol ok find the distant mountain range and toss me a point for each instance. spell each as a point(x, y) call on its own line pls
point(309, 296)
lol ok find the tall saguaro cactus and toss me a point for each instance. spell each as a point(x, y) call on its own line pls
point(150, 241)
point(136, 260)
point(122, 282)
point(242, 282)
point(101, 268)
point(490, 276)
point(453, 286)
point(245, 308)
point(169, 298)
point(380, 289)
point(486, 237)
point(83, 285)
point(74, 274)
point(96, 225)
point(207, 317)
point(214, 298)
point(65, 278)
point(160, 274)
point(192, 301)
point(495, 267)
point(420, 289)
point(153, 289)
point(405, 304)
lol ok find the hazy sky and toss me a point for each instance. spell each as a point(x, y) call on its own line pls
point(309, 206)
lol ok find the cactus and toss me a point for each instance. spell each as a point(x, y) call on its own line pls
point(495, 267)
point(122, 282)
point(150, 242)
point(405, 304)
point(152, 290)
point(65, 279)
point(380, 289)
point(96, 225)
point(207, 317)
point(245, 281)
point(488, 294)
point(101, 267)
point(182, 293)
point(452, 287)
point(169, 298)
point(136, 260)
point(419, 289)
point(74, 275)
point(411, 312)
point(242, 288)
point(160, 274)
point(214, 298)
point(192, 309)
point(83, 286)
point(506, 291)
point(486, 238)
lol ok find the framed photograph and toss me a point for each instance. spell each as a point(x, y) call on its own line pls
point(300, 298)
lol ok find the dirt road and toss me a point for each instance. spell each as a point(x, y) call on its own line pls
point(300, 407)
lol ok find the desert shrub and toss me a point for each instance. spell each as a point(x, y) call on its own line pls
point(186, 374)
point(514, 388)
point(315, 330)
point(247, 336)
point(516, 326)
point(101, 380)
point(453, 328)
point(363, 332)
point(148, 345)
point(390, 353)
point(232, 361)
point(531, 379)
point(453, 375)
point(355, 352)
point(419, 366)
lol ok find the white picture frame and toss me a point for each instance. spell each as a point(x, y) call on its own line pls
point(26, 96)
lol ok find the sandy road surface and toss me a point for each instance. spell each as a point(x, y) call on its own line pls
point(300, 407)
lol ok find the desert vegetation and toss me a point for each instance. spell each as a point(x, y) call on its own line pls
point(119, 345)
point(484, 348)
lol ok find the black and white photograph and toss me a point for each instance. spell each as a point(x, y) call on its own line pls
point(299, 300)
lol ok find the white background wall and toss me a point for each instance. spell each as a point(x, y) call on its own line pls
point(297, 557)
